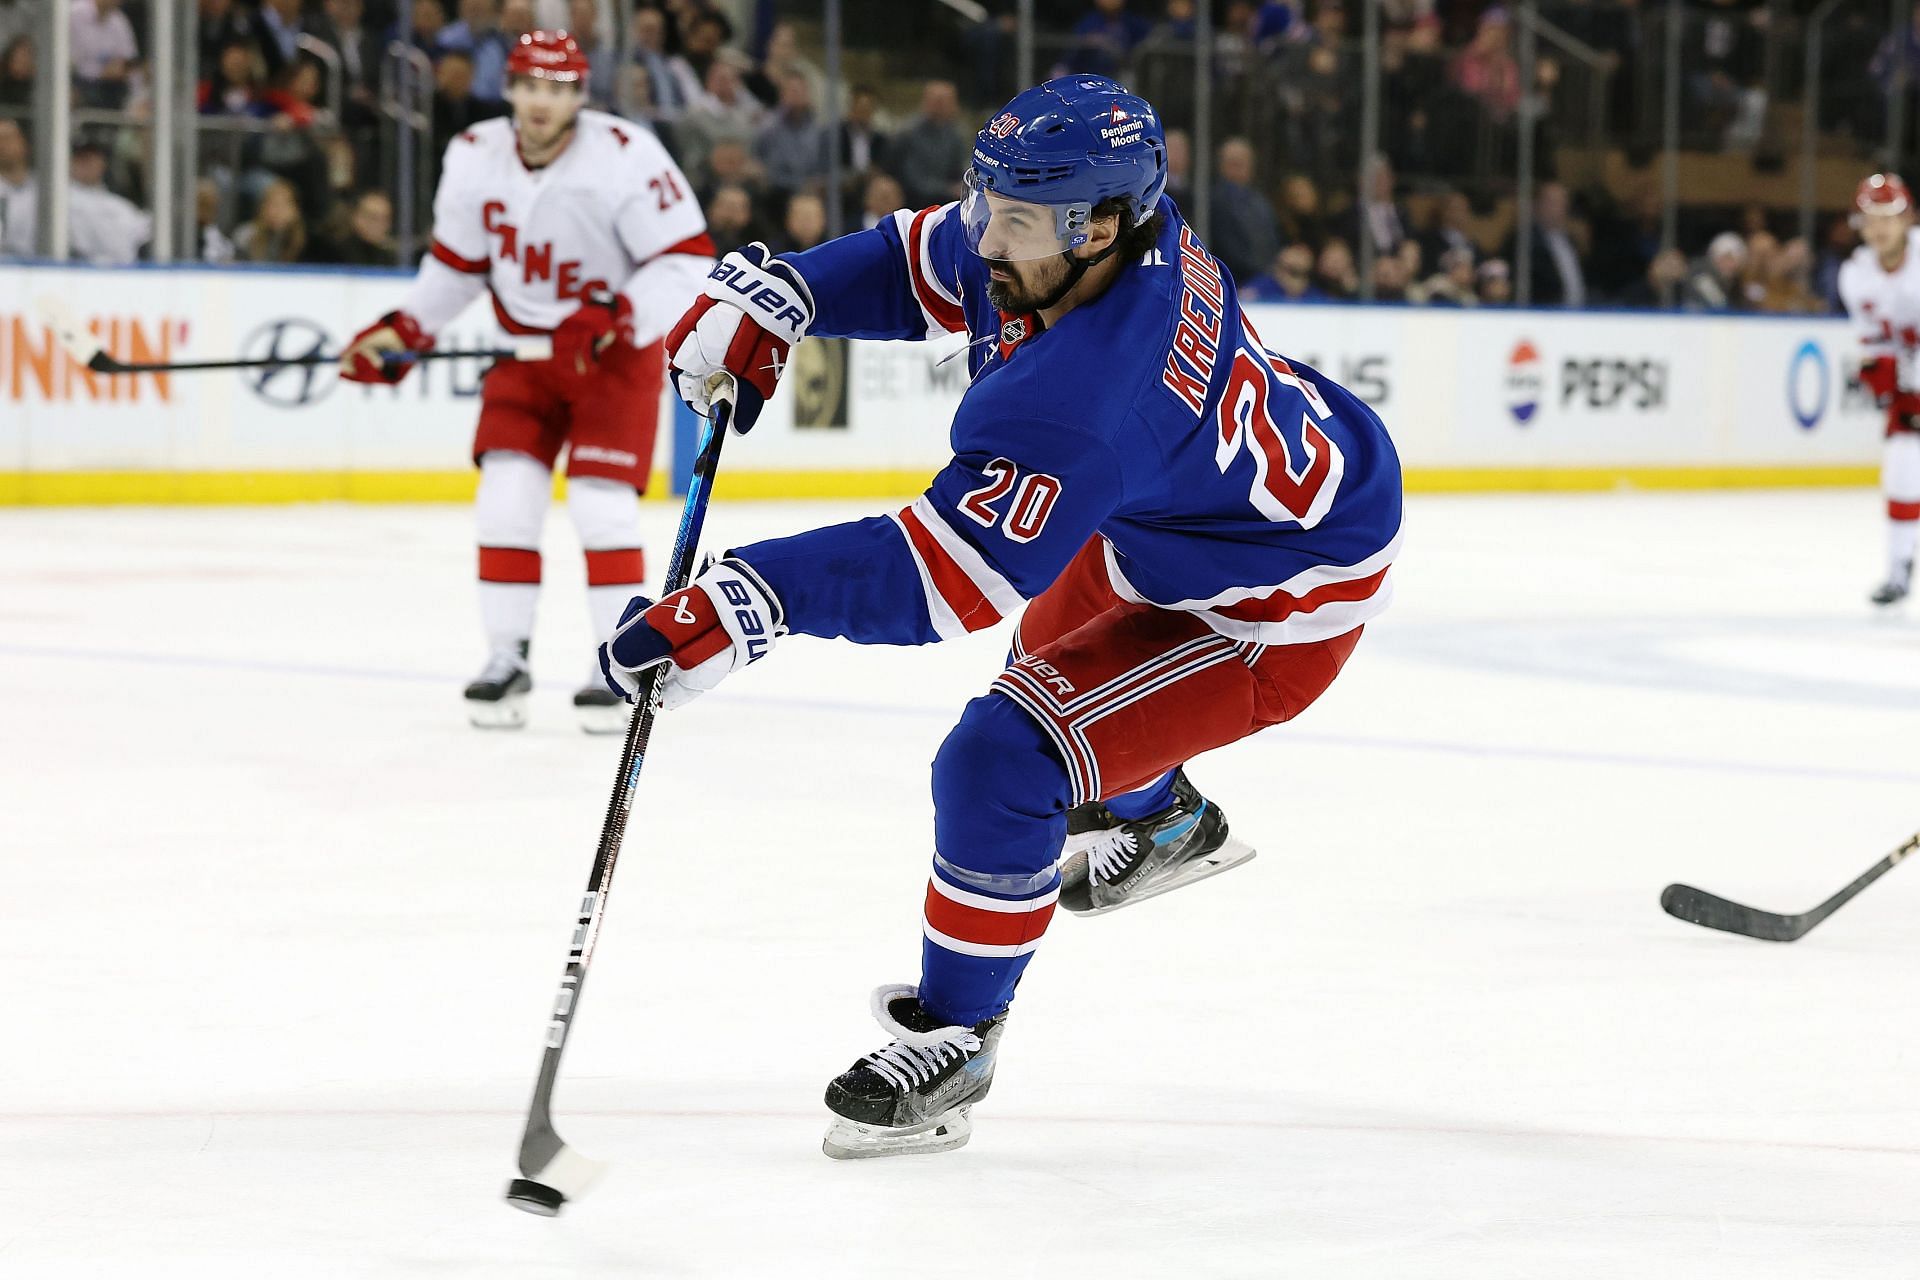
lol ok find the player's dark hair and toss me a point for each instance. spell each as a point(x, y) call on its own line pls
point(1134, 242)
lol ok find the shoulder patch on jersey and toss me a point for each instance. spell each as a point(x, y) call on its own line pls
point(619, 133)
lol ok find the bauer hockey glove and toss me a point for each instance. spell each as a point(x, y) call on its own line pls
point(364, 360)
point(726, 620)
point(603, 319)
point(752, 311)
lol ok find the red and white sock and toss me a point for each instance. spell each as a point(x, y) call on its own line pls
point(509, 511)
point(1900, 481)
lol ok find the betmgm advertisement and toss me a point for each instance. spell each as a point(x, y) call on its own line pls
point(1474, 399)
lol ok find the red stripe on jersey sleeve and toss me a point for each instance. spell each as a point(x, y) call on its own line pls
point(944, 313)
point(700, 246)
point(968, 603)
point(468, 266)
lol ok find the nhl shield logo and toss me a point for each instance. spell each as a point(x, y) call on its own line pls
point(1014, 331)
point(1003, 124)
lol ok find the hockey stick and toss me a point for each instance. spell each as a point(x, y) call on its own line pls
point(552, 1172)
point(86, 349)
point(1696, 906)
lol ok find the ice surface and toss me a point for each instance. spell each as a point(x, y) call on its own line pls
point(278, 932)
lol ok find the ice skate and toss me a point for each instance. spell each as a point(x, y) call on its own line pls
point(1112, 863)
point(598, 710)
point(1895, 588)
point(497, 698)
point(911, 1097)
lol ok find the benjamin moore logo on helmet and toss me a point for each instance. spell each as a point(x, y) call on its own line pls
point(1524, 382)
point(1003, 124)
point(1122, 127)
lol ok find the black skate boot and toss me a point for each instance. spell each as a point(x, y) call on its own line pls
point(1112, 863)
point(598, 710)
point(913, 1096)
point(497, 698)
point(1895, 588)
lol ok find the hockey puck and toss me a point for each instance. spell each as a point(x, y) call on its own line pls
point(535, 1197)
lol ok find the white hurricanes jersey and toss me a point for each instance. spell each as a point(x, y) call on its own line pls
point(1885, 306)
point(609, 204)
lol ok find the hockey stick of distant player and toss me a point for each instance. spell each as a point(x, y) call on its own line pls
point(1696, 906)
point(87, 350)
point(552, 1172)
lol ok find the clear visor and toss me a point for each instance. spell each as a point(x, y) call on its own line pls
point(1003, 229)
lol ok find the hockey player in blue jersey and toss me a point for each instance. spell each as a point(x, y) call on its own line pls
point(1197, 527)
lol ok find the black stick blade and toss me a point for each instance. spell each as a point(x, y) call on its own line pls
point(534, 1197)
point(1697, 906)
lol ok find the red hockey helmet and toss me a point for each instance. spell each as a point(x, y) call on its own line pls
point(1882, 193)
point(554, 55)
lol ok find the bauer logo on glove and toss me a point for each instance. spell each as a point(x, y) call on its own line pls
point(752, 311)
point(726, 620)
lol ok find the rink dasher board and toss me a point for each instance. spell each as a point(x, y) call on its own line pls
point(1475, 399)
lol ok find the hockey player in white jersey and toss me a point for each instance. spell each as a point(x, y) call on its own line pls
point(1880, 285)
point(583, 228)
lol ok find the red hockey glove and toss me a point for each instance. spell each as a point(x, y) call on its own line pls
point(1881, 377)
point(603, 319)
point(754, 309)
point(395, 332)
point(1903, 412)
point(724, 621)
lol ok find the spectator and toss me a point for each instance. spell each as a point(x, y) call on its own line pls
point(583, 23)
point(1662, 285)
point(1180, 167)
point(880, 198)
point(783, 59)
point(1452, 228)
point(107, 230)
point(1288, 279)
point(516, 20)
point(343, 27)
point(1453, 284)
point(455, 106)
point(670, 93)
point(1299, 215)
point(729, 164)
point(701, 39)
point(1838, 247)
point(1379, 217)
point(1496, 283)
point(792, 144)
point(1334, 271)
point(1390, 279)
point(1486, 71)
point(805, 224)
point(277, 232)
point(724, 112)
point(478, 35)
point(278, 35)
point(366, 239)
point(929, 155)
point(1715, 284)
point(297, 96)
point(16, 73)
point(862, 146)
point(215, 248)
point(730, 218)
point(17, 193)
point(1558, 278)
point(429, 20)
point(1103, 40)
point(104, 52)
point(234, 87)
point(1777, 276)
point(1244, 235)
point(218, 24)
point(1725, 54)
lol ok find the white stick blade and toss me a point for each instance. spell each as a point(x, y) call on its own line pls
point(569, 1173)
point(68, 328)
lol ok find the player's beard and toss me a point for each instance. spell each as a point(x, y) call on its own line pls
point(1032, 285)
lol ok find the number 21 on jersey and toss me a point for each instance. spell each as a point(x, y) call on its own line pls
point(1296, 466)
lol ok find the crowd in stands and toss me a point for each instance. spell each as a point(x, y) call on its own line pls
point(297, 163)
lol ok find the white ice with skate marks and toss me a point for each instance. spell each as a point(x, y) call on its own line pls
point(279, 932)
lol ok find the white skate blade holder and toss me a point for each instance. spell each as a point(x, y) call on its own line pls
point(850, 1140)
point(509, 712)
point(1225, 858)
point(597, 720)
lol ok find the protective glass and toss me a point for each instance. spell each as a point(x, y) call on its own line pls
point(1002, 229)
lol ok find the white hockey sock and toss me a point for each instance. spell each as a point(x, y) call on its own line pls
point(1901, 537)
point(606, 515)
point(509, 511)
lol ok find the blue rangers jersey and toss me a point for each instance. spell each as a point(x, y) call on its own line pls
point(1219, 477)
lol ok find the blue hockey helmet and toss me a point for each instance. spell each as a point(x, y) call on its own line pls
point(1059, 149)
